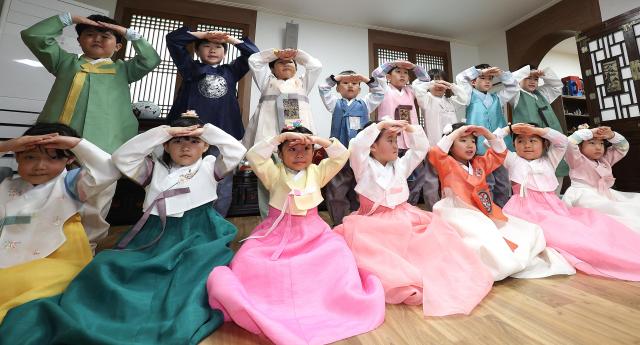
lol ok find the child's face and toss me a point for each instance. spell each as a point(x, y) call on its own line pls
point(483, 83)
point(529, 147)
point(385, 149)
point(284, 69)
point(464, 148)
point(348, 89)
point(39, 165)
point(592, 149)
point(185, 150)
point(529, 83)
point(211, 53)
point(98, 45)
point(398, 77)
point(297, 157)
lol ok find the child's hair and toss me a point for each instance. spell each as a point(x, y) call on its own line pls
point(48, 128)
point(482, 66)
point(299, 129)
point(99, 18)
point(200, 42)
point(273, 63)
point(347, 72)
point(374, 122)
point(184, 121)
point(437, 74)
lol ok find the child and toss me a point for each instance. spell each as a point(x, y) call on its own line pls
point(507, 246)
point(399, 104)
point(284, 100)
point(485, 109)
point(42, 242)
point(407, 248)
point(532, 104)
point(349, 114)
point(591, 241)
point(209, 88)
point(592, 177)
point(294, 280)
point(91, 92)
point(438, 110)
point(153, 290)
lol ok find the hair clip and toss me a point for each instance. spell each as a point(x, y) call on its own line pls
point(295, 124)
point(189, 114)
point(583, 126)
point(448, 128)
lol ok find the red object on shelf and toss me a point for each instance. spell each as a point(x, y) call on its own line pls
point(577, 80)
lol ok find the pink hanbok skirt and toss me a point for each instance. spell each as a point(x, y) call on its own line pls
point(591, 241)
point(419, 258)
point(297, 285)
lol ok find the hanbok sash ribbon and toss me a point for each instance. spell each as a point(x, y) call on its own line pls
point(78, 83)
point(159, 201)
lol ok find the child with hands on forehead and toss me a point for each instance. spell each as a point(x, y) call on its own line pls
point(508, 246)
point(43, 244)
point(288, 277)
point(349, 114)
point(284, 101)
point(406, 247)
point(485, 109)
point(591, 241)
point(591, 156)
point(173, 247)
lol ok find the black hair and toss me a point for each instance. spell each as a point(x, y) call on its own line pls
point(273, 63)
point(43, 128)
point(437, 73)
point(200, 42)
point(184, 121)
point(99, 18)
point(482, 66)
point(347, 72)
point(299, 129)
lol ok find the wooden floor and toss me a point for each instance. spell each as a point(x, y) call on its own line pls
point(561, 310)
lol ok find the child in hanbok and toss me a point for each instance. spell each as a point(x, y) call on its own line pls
point(418, 257)
point(151, 288)
point(438, 110)
point(294, 280)
point(284, 99)
point(592, 241)
point(591, 163)
point(349, 114)
point(43, 244)
point(508, 246)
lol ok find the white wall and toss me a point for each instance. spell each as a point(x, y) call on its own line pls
point(337, 47)
point(563, 64)
point(494, 51)
point(463, 56)
point(612, 8)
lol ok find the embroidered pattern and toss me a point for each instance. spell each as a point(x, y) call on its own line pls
point(485, 200)
point(212, 86)
point(10, 244)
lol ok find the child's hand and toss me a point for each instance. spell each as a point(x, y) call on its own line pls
point(83, 20)
point(491, 72)
point(523, 129)
point(117, 28)
point(60, 142)
point(404, 64)
point(293, 138)
point(24, 143)
point(183, 131)
point(603, 132)
point(480, 131)
point(320, 141)
point(393, 126)
point(216, 36)
point(286, 54)
point(537, 73)
point(440, 85)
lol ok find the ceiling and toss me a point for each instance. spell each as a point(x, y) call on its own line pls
point(467, 21)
